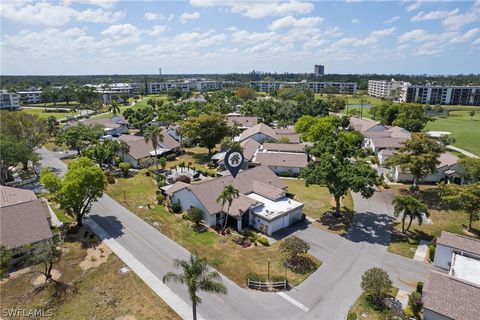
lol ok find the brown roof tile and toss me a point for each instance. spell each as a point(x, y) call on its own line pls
point(451, 297)
point(242, 121)
point(24, 223)
point(287, 147)
point(281, 159)
point(9, 196)
point(459, 242)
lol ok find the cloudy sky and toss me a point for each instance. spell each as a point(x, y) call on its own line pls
point(221, 36)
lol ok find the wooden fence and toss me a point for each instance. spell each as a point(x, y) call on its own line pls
point(267, 286)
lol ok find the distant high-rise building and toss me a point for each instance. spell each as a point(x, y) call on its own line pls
point(160, 71)
point(319, 70)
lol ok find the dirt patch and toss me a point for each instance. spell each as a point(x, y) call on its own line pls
point(126, 317)
point(37, 281)
point(95, 256)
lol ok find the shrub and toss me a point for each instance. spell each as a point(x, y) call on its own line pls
point(195, 215)
point(110, 178)
point(184, 179)
point(163, 162)
point(263, 241)
point(420, 287)
point(160, 198)
point(302, 264)
point(125, 167)
point(415, 302)
point(376, 283)
point(171, 157)
point(147, 173)
point(351, 316)
point(256, 277)
point(293, 246)
point(176, 207)
point(431, 252)
point(5, 258)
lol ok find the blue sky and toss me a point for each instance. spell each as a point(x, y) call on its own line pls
point(213, 36)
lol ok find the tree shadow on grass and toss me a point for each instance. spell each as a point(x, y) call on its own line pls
point(412, 237)
point(202, 158)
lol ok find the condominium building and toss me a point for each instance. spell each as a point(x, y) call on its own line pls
point(389, 89)
point(116, 88)
point(33, 95)
point(184, 85)
point(428, 94)
point(316, 87)
point(319, 70)
point(9, 100)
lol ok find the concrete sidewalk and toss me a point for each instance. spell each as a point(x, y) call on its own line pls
point(422, 251)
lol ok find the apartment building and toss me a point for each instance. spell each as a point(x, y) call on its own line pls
point(319, 70)
point(9, 101)
point(316, 87)
point(184, 85)
point(33, 95)
point(389, 89)
point(454, 95)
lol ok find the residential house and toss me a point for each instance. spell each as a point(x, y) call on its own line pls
point(282, 163)
point(448, 170)
point(241, 121)
point(249, 147)
point(262, 204)
point(9, 100)
point(114, 126)
point(139, 149)
point(366, 125)
point(455, 293)
point(263, 133)
point(24, 220)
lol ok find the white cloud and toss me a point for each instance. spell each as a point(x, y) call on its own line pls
point(333, 32)
point(189, 16)
point(196, 39)
point(433, 15)
point(156, 30)
point(392, 19)
point(51, 14)
point(467, 36)
point(259, 9)
point(476, 42)
point(413, 5)
point(154, 16)
point(355, 21)
point(101, 3)
point(291, 22)
point(247, 38)
point(123, 32)
point(455, 22)
point(99, 16)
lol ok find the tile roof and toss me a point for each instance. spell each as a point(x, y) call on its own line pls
point(362, 125)
point(259, 128)
point(207, 192)
point(281, 159)
point(10, 196)
point(287, 147)
point(459, 242)
point(388, 142)
point(240, 205)
point(242, 121)
point(249, 146)
point(140, 149)
point(451, 297)
point(447, 159)
point(24, 223)
point(267, 191)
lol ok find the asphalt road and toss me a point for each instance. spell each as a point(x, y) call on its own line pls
point(328, 293)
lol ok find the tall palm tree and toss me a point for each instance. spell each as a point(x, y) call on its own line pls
point(411, 207)
point(228, 194)
point(114, 108)
point(154, 134)
point(196, 277)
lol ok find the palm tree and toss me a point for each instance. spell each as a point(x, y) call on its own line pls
point(155, 135)
point(123, 147)
point(229, 193)
point(409, 206)
point(114, 108)
point(196, 276)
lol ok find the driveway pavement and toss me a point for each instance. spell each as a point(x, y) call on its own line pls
point(326, 294)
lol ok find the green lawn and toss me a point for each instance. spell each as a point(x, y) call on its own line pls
point(51, 104)
point(368, 311)
point(318, 204)
point(42, 114)
point(464, 129)
point(443, 220)
point(220, 250)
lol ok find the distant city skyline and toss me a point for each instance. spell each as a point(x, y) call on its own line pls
point(81, 37)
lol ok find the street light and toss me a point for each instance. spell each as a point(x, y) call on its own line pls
point(124, 196)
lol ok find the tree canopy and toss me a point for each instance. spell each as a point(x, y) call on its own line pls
point(465, 198)
point(207, 129)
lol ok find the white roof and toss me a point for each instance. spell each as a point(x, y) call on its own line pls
point(272, 209)
point(466, 268)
